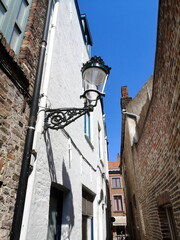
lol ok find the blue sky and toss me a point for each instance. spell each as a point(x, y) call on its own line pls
point(124, 35)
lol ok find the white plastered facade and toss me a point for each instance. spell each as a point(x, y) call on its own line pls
point(65, 157)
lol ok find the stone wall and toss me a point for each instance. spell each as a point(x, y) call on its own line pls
point(17, 74)
point(152, 166)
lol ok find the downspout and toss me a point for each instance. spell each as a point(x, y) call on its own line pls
point(131, 115)
point(40, 120)
point(21, 192)
point(136, 118)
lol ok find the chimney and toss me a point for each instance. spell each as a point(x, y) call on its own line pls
point(124, 92)
point(125, 99)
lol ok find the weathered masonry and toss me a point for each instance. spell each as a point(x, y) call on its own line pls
point(150, 139)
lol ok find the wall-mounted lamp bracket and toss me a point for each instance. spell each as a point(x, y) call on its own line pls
point(94, 73)
point(59, 118)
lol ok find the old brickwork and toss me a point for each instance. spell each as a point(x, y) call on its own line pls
point(152, 165)
point(14, 109)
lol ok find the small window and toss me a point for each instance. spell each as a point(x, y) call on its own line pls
point(87, 228)
point(87, 126)
point(22, 11)
point(118, 203)
point(13, 20)
point(87, 215)
point(3, 10)
point(55, 214)
point(15, 36)
point(86, 33)
point(120, 230)
point(99, 143)
point(116, 182)
point(168, 228)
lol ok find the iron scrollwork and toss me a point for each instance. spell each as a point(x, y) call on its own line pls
point(60, 118)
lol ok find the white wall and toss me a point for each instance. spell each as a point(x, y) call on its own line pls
point(65, 156)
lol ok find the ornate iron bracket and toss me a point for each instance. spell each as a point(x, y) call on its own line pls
point(61, 117)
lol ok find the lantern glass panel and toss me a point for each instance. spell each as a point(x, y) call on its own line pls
point(94, 75)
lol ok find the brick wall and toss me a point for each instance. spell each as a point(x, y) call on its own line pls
point(153, 162)
point(116, 191)
point(125, 97)
point(14, 109)
point(120, 216)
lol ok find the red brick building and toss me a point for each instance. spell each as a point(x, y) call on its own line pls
point(116, 187)
point(150, 139)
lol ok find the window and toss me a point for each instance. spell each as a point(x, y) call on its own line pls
point(87, 126)
point(13, 19)
point(168, 228)
point(116, 182)
point(86, 33)
point(87, 215)
point(3, 10)
point(55, 214)
point(99, 142)
point(87, 228)
point(120, 230)
point(118, 204)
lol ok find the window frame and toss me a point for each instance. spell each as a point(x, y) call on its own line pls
point(100, 152)
point(120, 183)
point(12, 22)
point(120, 208)
point(86, 33)
point(87, 126)
point(87, 215)
point(166, 217)
point(171, 222)
point(55, 209)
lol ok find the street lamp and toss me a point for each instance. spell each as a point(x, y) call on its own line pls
point(94, 74)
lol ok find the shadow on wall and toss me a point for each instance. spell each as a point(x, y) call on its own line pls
point(68, 208)
point(50, 157)
point(66, 189)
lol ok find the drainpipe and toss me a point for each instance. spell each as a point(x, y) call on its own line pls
point(21, 192)
point(136, 118)
point(131, 115)
point(40, 119)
